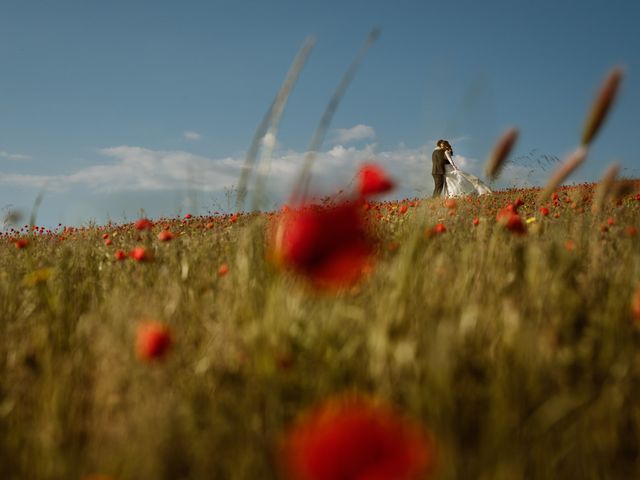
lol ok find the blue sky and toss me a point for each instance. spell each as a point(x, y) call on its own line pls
point(118, 106)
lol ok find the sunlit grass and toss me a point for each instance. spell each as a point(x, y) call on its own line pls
point(518, 353)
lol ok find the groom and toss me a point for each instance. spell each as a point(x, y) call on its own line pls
point(439, 160)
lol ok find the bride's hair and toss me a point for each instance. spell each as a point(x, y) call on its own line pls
point(447, 146)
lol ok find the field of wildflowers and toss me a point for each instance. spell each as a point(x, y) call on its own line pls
point(481, 337)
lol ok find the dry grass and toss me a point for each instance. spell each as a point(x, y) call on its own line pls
point(518, 353)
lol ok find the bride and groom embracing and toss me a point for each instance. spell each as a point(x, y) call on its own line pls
point(449, 178)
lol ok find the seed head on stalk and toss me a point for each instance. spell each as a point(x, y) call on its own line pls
point(601, 105)
point(500, 153)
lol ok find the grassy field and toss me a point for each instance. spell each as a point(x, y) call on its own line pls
point(514, 351)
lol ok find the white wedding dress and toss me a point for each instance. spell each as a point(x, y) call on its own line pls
point(458, 183)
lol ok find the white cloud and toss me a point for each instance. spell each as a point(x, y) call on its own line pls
point(192, 136)
point(31, 181)
point(359, 132)
point(14, 156)
point(137, 169)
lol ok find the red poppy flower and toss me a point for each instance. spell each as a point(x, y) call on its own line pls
point(141, 254)
point(108, 242)
point(476, 222)
point(506, 212)
point(153, 341)
point(329, 245)
point(510, 220)
point(632, 231)
point(544, 211)
point(451, 203)
point(144, 224)
point(514, 224)
point(439, 228)
point(120, 255)
point(403, 209)
point(188, 216)
point(355, 438)
point(223, 270)
point(21, 243)
point(165, 236)
point(373, 180)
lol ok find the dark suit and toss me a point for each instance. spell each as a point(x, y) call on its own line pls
point(439, 160)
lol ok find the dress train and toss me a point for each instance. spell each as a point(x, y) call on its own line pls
point(458, 183)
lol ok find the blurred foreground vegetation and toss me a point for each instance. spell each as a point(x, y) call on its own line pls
point(518, 353)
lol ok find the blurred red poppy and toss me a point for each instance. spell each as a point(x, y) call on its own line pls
point(508, 217)
point(144, 224)
point(153, 341)
point(451, 203)
point(514, 224)
point(21, 243)
point(439, 228)
point(141, 254)
point(373, 180)
point(223, 270)
point(329, 244)
point(355, 438)
point(165, 236)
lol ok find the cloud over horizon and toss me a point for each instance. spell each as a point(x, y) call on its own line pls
point(14, 156)
point(192, 136)
point(359, 132)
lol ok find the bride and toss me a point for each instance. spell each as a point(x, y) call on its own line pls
point(458, 183)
